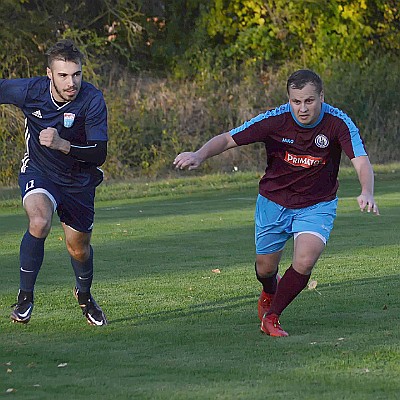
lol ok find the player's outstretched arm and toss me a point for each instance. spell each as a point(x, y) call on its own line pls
point(366, 177)
point(216, 145)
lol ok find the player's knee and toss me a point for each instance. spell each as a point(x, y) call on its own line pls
point(304, 266)
point(39, 226)
point(265, 269)
point(79, 253)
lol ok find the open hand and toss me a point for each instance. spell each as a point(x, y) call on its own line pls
point(189, 160)
point(367, 202)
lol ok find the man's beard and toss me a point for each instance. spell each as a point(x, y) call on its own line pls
point(59, 92)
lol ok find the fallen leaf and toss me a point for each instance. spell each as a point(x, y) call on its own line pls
point(9, 370)
point(216, 271)
point(60, 238)
point(62, 365)
point(312, 285)
point(11, 390)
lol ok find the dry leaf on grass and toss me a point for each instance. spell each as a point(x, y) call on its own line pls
point(216, 271)
point(312, 285)
point(62, 365)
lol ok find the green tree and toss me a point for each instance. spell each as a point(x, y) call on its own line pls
point(310, 31)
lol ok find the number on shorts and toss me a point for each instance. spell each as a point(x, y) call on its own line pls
point(29, 185)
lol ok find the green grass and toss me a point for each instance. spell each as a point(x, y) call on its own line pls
point(180, 331)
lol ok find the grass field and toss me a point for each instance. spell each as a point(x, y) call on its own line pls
point(178, 330)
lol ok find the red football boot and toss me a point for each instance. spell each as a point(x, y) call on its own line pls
point(265, 300)
point(264, 304)
point(271, 326)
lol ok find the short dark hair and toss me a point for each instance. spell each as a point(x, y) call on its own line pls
point(300, 78)
point(64, 50)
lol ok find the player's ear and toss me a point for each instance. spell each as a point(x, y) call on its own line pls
point(49, 74)
point(321, 96)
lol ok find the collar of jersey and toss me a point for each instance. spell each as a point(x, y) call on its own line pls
point(321, 114)
point(54, 102)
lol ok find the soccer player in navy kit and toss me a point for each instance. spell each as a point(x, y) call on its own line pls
point(297, 194)
point(66, 141)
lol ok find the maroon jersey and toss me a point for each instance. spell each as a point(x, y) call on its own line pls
point(302, 160)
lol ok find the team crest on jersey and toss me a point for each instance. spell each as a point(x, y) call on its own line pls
point(69, 119)
point(322, 141)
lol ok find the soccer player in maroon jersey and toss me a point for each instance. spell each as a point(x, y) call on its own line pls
point(304, 139)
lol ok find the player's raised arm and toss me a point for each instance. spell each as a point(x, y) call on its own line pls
point(366, 177)
point(217, 145)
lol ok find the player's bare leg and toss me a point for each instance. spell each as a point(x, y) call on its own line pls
point(307, 250)
point(39, 209)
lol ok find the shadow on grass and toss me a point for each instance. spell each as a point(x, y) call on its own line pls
point(359, 296)
point(232, 303)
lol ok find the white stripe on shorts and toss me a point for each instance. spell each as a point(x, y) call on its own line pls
point(44, 191)
point(312, 233)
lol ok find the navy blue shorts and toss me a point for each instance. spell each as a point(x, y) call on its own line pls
point(74, 208)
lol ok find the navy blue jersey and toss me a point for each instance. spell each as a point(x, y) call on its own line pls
point(302, 160)
point(79, 121)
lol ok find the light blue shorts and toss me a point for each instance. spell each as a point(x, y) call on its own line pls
point(275, 224)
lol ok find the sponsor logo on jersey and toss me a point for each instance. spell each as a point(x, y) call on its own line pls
point(37, 114)
point(69, 119)
point(303, 161)
point(285, 140)
point(321, 141)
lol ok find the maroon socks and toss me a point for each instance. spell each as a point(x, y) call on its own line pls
point(291, 284)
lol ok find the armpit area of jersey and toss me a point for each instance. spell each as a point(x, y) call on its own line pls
point(94, 152)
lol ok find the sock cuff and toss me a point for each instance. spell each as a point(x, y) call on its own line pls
point(33, 238)
point(297, 275)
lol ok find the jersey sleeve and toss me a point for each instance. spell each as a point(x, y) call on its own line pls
point(13, 91)
point(350, 139)
point(96, 119)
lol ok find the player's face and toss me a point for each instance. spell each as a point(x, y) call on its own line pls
point(306, 103)
point(66, 78)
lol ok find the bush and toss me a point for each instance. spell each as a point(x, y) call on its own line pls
point(152, 119)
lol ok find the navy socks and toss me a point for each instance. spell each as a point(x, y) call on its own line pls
point(83, 273)
point(31, 256)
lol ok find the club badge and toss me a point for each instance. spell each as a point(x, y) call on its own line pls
point(322, 141)
point(69, 119)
